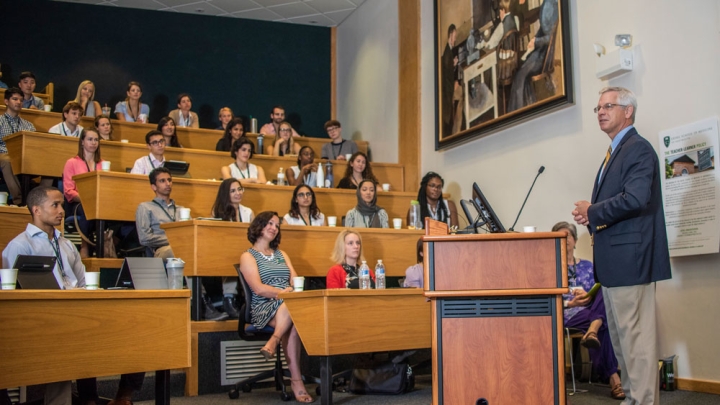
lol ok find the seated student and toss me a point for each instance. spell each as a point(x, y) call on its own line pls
point(306, 170)
point(358, 168)
point(104, 127)
point(71, 121)
point(132, 109)
point(268, 271)
point(414, 273)
point(277, 116)
point(166, 125)
point(87, 160)
point(182, 115)
point(432, 203)
point(234, 131)
point(366, 213)
point(338, 147)
point(156, 144)
point(284, 144)
point(246, 172)
point(228, 207)
point(86, 98)
point(588, 314)
point(303, 208)
point(225, 115)
point(148, 218)
point(40, 238)
point(10, 123)
point(26, 83)
point(347, 256)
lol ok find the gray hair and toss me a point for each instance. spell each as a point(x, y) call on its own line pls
point(572, 230)
point(625, 97)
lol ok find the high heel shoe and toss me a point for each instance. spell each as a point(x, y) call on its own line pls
point(269, 354)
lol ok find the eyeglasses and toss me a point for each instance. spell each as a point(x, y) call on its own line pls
point(304, 195)
point(285, 129)
point(607, 107)
point(158, 142)
point(332, 129)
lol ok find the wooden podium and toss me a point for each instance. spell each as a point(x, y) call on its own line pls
point(497, 317)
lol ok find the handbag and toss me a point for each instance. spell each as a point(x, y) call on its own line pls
point(108, 242)
point(386, 378)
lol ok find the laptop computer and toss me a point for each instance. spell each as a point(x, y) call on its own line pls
point(143, 273)
point(36, 272)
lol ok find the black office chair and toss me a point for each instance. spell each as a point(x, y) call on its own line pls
point(250, 333)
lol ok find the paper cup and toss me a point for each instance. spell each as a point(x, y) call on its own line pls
point(105, 165)
point(92, 280)
point(397, 223)
point(528, 229)
point(332, 221)
point(106, 111)
point(142, 118)
point(3, 198)
point(124, 141)
point(386, 186)
point(48, 108)
point(185, 214)
point(299, 283)
point(348, 156)
point(8, 278)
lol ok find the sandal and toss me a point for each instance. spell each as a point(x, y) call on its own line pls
point(269, 354)
point(302, 396)
point(617, 392)
point(590, 340)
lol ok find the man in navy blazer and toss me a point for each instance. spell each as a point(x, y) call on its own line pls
point(627, 226)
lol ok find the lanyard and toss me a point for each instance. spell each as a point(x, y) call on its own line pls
point(151, 163)
point(172, 218)
point(58, 255)
point(365, 220)
point(87, 165)
point(303, 219)
point(572, 271)
point(332, 145)
point(241, 173)
point(130, 112)
point(185, 122)
point(62, 125)
point(239, 214)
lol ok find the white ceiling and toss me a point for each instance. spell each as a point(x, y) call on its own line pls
point(327, 13)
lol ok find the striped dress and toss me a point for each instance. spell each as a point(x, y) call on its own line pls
point(273, 272)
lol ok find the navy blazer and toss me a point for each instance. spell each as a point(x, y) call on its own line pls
point(627, 219)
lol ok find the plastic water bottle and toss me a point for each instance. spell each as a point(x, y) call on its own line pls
point(380, 275)
point(415, 222)
point(328, 175)
point(260, 139)
point(364, 272)
point(281, 178)
point(320, 177)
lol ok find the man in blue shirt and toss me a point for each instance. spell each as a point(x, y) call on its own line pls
point(27, 85)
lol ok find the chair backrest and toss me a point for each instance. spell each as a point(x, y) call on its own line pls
point(507, 57)
point(244, 316)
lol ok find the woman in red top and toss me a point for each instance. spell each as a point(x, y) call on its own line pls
point(348, 256)
point(87, 160)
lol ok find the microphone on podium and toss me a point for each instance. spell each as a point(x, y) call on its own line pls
point(540, 170)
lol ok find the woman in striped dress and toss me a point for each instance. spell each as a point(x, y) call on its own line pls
point(268, 271)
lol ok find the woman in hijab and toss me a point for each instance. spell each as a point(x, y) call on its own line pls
point(366, 213)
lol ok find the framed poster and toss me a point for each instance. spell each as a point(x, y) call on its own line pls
point(498, 63)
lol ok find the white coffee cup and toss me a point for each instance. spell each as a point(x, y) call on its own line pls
point(397, 223)
point(528, 229)
point(105, 165)
point(386, 186)
point(92, 280)
point(332, 221)
point(124, 141)
point(8, 278)
point(3, 197)
point(48, 107)
point(142, 118)
point(185, 214)
point(298, 283)
point(348, 156)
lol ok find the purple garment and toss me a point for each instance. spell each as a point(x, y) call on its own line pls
point(604, 362)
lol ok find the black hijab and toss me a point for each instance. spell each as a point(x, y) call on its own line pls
point(368, 209)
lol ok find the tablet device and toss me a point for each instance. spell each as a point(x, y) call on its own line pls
point(36, 272)
point(143, 273)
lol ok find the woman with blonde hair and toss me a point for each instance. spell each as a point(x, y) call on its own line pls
point(347, 255)
point(86, 98)
point(284, 143)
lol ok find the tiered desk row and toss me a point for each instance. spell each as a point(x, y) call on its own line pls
point(211, 248)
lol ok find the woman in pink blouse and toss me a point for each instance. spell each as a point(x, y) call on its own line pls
point(87, 160)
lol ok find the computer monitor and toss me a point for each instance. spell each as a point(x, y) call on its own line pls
point(485, 216)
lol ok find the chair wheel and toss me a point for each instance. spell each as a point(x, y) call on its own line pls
point(234, 394)
point(246, 388)
point(286, 396)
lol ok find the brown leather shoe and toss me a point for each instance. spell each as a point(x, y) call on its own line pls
point(617, 392)
point(590, 340)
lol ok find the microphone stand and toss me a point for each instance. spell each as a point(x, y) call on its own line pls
point(512, 228)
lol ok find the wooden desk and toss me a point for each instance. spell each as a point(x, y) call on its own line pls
point(211, 248)
point(13, 221)
point(394, 319)
point(196, 138)
point(51, 336)
point(116, 196)
point(41, 154)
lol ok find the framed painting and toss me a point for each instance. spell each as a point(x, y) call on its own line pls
point(498, 63)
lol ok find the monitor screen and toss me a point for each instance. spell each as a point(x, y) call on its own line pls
point(485, 216)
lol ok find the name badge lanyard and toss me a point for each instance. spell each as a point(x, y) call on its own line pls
point(241, 172)
point(365, 220)
point(172, 218)
point(58, 255)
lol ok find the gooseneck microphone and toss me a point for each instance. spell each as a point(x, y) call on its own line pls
point(540, 170)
